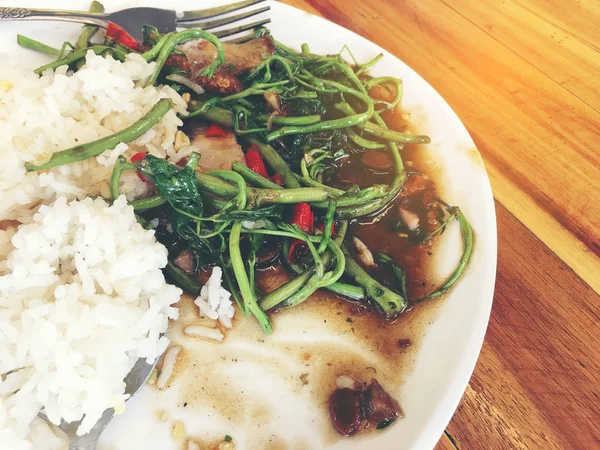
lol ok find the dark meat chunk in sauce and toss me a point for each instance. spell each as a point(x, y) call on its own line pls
point(185, 261)
point(346, 412)
point(267, 253)
point(239, 58)
point(377, 161)
point(353, 410)
point(380, 408)
point(414, 184)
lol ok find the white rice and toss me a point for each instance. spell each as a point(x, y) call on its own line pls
point(60, 109)
point(213, 334)
point(82, 297)
point(168, 367)
point(214, 301)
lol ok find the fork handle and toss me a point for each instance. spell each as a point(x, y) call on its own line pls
point(16, 13)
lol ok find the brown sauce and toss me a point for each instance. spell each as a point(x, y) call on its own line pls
point(360, 342)
point(362, 345)
point(6, 224)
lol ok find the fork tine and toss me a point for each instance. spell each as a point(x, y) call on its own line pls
point(217, 11)
point(241, 28)
point(240, 40)
point(217, 23)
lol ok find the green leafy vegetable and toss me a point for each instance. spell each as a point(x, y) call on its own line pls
point(305, 107)
point(385, 424)
point(177, 185)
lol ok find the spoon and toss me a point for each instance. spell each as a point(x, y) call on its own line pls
point(133, 383)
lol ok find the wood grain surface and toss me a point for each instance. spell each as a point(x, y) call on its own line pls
point(524, 77)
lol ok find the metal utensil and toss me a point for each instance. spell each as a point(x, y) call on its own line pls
point(133, 383)
point(132, 19)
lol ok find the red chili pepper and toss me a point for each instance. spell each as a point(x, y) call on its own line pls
point(138, 157)
point(255, 162)
point(215, 131)
point(277, 179)
point(305, 219)
point(119, 34)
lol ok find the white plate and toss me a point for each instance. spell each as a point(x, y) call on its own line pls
point(449, 350)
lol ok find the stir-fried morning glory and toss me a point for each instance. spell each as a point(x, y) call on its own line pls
point(301, 120)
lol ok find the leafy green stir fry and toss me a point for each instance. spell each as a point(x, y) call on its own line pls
point(297, 115)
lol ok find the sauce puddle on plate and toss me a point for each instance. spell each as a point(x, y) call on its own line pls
point(273, 391)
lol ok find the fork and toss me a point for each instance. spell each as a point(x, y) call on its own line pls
point(132, 19)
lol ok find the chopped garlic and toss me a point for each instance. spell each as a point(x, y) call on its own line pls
point(161, 416)
point(181, 141)
point(6, 85)
point(364, 254)
point(253, 225)
point(409, 218)
point(226, 445)
point(178, 431)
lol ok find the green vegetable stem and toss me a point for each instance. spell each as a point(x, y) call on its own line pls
point(91, 149)
point(80, 54)
point(390, 303)
point(88, 32)
point(248, 294)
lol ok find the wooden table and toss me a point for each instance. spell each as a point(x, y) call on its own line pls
point(524, 76)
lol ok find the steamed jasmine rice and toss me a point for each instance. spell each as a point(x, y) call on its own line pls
point(82, 298)
point(40, 115)
point(82, 295)
point(214, 301)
